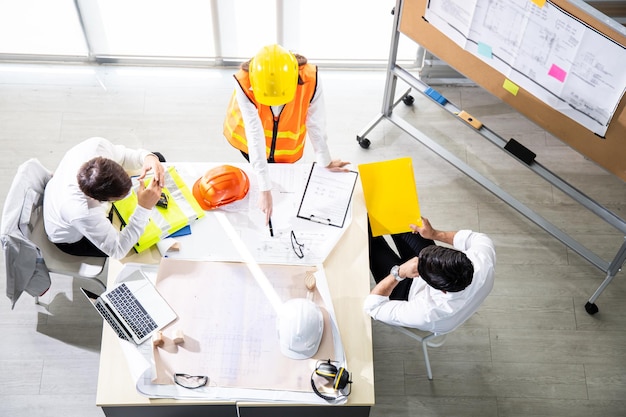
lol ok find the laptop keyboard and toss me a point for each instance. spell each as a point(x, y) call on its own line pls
point(109, 318)
point(129, 308)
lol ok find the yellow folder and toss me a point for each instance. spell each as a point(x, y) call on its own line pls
point(390, 196)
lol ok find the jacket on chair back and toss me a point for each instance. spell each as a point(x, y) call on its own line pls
point(25, 267)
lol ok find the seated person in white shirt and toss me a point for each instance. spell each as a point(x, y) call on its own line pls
point(429, 287)
point(90, 176)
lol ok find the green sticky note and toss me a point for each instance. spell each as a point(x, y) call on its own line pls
point(510, 86)
point(485, 50)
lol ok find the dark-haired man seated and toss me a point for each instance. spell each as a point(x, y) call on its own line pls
point(91, 175)
point(429, 287)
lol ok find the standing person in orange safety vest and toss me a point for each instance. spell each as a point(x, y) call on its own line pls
point(277, 101)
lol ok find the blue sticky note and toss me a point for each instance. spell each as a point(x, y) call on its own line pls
point(485, 50)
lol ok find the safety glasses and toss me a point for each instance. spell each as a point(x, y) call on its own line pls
point(190, 381)
point(297, 246)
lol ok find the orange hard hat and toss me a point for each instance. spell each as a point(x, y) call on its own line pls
point(221, 185)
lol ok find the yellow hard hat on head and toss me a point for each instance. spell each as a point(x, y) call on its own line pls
point(274, 75)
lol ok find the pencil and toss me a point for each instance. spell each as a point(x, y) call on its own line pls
point(271, 228)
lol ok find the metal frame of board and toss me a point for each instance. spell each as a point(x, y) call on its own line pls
point(395, 72)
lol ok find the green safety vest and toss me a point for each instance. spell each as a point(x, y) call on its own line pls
point(182, 209)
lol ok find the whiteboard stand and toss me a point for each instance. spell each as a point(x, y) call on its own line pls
point(395, 72)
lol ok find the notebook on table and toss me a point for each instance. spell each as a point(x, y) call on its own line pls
point(134, 308)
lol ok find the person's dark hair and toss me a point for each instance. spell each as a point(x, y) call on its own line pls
point(445, 269)
point(103, 179)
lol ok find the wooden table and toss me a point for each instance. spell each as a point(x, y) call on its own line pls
point(347, 272)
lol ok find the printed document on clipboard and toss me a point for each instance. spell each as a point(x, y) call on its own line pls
point(327, 196)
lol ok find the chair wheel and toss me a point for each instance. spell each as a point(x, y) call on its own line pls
point(591, 308)
point(408, 100)
point(364, 142)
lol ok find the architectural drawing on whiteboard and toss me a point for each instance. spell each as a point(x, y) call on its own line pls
point(505, 21)
point(555, 57)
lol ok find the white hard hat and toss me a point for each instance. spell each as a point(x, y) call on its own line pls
point(300, 327)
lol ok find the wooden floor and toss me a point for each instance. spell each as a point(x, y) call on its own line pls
point(531, 350)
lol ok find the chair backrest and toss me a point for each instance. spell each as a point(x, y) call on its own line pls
point(25, 195)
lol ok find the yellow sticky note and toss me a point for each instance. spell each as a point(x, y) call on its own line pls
point(390, 196)
point(510, 86)
point(539, 3)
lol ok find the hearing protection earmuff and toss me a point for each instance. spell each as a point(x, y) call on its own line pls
point(338, 377)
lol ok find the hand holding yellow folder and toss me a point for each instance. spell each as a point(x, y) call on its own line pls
point(390, 196)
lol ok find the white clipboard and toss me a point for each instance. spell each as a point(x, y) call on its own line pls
point(327, 196)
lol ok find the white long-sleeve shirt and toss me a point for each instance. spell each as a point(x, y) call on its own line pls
point(69, 214)
point(316, 132)
point(433, 310)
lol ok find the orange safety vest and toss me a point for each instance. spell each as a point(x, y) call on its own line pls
point(284, 134)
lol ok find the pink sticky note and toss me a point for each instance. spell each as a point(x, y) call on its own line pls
point(557, 72)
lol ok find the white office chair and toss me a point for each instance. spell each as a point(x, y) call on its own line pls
point(430, 339)
point(426, 339)
point(26, 246)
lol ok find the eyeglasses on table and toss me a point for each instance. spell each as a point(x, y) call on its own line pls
point(191, 381)
point(298, 248)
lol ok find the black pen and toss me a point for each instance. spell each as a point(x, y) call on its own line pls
point(271, 228)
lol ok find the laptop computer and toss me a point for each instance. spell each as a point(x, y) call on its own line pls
point(133, 308)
